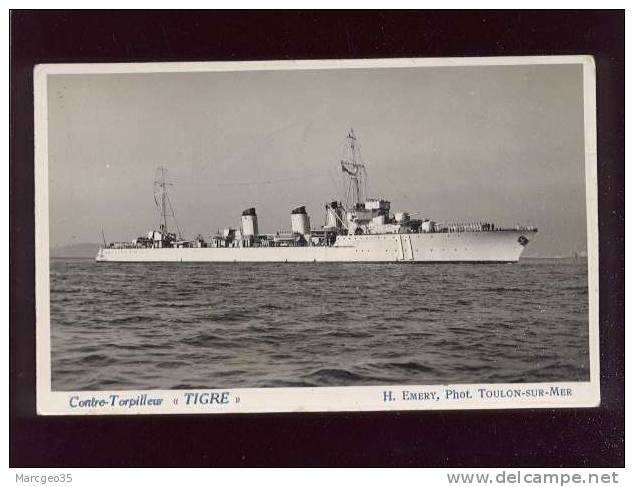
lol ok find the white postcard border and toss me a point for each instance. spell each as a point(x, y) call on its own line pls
point(308, 399)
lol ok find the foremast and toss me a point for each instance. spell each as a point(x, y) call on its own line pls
point(163, 202)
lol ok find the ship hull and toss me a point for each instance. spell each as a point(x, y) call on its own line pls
point(492, 246)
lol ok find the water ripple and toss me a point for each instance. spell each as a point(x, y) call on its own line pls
point(157, 326)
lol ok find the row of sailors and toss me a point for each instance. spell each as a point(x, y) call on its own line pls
point(470, 227)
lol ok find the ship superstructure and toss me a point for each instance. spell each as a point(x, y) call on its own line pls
point(356, 229)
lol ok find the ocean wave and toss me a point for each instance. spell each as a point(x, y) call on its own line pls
point(349, 334)
point(95, 359)
point(410, 366)
point(330, 375)
point(501, 289)
point(315, 325)
point(425, 309)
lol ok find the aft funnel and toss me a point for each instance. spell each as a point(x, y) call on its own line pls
point(249, 223)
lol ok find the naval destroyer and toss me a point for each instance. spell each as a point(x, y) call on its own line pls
point(358, 230)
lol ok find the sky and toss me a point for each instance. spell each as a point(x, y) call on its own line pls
point(483, 143)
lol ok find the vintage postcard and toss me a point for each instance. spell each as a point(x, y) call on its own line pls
point(295, 236)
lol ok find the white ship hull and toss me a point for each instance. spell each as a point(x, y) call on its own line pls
point(487, 246)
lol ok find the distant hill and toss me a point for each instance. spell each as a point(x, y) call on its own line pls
point(75, 251)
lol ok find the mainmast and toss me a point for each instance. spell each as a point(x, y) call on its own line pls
point(353, 168)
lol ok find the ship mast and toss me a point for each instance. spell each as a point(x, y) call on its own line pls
point(162, 200)
point(353, 168)
point(160, 191)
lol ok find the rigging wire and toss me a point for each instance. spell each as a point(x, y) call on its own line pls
point(178, 228)
point(260, 183)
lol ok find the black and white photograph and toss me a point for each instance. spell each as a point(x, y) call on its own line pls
point(316, 235)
